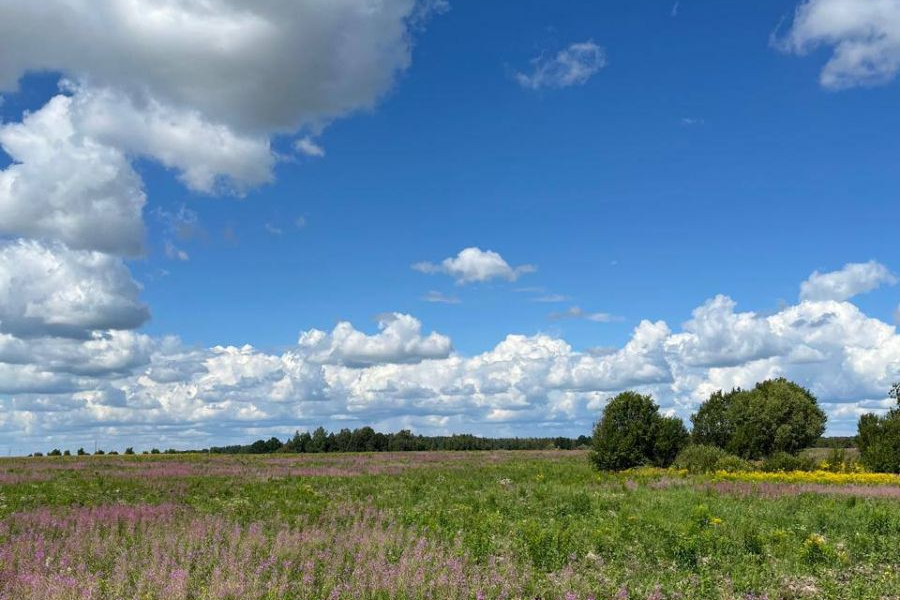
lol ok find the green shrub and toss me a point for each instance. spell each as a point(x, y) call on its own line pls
point(879, 439)
point(775, 416)
point(734, 464)
point(782, 461)
point(698, 458)
point(633, 433)
point(670, 438)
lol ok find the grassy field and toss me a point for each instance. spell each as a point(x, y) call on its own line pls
point(435, 525)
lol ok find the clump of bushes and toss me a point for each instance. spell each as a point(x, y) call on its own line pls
point(879, 438)
point(632, 433)
point(775, 416)
point(700, 458)
point(782, 461)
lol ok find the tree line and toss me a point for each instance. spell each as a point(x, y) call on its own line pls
point(772, 422)
point(366, 439)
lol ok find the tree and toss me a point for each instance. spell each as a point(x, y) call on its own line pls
point(775, 416)
point(671, 437)
point(129, 450)
point(712, 425)
point(633, 433)
point(81, 452)
point(319, 441)
point(879, 438)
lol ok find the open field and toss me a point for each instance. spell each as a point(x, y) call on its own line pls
point(435, 525)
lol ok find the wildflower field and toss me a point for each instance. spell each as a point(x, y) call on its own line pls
point(435, 525)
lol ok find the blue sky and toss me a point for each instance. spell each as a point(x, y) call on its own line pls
point(763, 190)
point(702, 154)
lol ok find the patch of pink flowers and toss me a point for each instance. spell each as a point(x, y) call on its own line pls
point(167, 553)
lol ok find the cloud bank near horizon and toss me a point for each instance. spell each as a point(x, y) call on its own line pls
point(121, 385)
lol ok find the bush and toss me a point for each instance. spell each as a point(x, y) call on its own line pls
point(633, 433)
point(698, 458)
point(775, 416)
point(782, 461)
point(734, 464)
point(671, 438)
point(879, 439)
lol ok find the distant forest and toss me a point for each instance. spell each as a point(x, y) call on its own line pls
point(366, 439)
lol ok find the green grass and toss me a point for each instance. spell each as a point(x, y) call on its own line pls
point(545, 511)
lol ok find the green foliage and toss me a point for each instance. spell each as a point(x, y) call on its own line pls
point(366, 439)
point(782, 461)
point(713, 423)
point(775, 416)
point(671, 437)
point(734, 464)
point(699, 458)
point(879, 438)
point(633, 433)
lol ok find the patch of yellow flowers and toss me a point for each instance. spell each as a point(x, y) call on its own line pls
point(826, 477)
point(819, 476)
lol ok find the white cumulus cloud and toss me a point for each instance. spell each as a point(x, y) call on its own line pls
point(48, 289)
point(261, 66)
point(864, 36)
point(852, 280)
point(473, 265)
point(399, 340)
point(67, 186)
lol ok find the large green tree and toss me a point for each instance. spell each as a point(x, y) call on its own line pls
point(775, 416)
point(879, 438)
point(633, 433)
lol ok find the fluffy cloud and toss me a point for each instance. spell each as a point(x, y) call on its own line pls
point(399, 340)
point(47, 289)
point(100, 355)
point(716, 337)
point(205, 154)
point(852, 280)
point(259, 67)
point(198, 85)
point(571, 66)
point(475, 265)
point(67, 186)
point(864, 35)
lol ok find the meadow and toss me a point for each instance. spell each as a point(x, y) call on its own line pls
point(437, 525)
